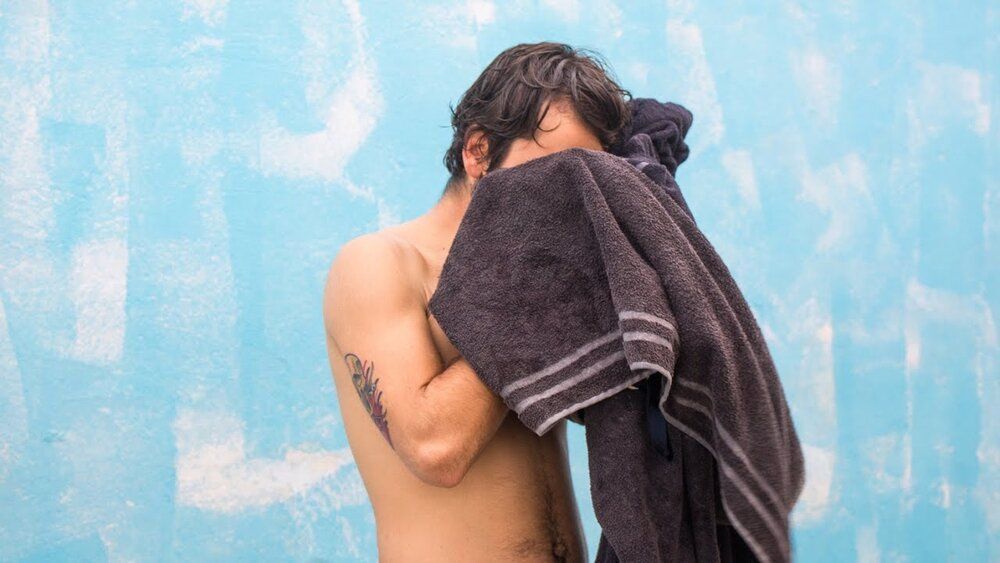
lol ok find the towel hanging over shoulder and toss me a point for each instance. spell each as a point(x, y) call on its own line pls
point(574, 277)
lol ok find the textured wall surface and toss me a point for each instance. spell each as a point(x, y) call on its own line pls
point(176, 175)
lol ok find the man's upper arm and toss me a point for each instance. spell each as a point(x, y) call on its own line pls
point(375, 315)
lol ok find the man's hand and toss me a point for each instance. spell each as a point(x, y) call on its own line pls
point(436, 418)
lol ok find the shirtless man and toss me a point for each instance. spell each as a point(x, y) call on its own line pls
point(452, 474)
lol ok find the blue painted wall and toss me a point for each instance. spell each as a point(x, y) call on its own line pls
point(175, 177)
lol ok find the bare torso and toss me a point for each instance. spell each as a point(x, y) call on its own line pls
point(516, 502)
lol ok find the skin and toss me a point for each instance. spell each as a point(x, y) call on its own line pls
point(451, 473)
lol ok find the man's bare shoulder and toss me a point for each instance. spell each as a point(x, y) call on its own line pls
point(371, 268)
point(376, 249)
point(383, 250)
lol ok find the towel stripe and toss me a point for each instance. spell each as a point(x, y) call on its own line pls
point(730, 441)
point(587, 347)
point(642, 315)
point(741, 485)
point(643, 369)
point(595, 368)
point(657, 368)
point(747, 537)
point(698, 387)
point(565, 361)
point(548, 422)
point(751, 498)
point(586, 373)
point(648, 337)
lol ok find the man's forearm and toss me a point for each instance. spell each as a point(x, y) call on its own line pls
point(459, 414)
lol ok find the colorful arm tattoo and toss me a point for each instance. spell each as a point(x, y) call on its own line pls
point(361, 375)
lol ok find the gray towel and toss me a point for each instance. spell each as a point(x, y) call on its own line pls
point(575, 277)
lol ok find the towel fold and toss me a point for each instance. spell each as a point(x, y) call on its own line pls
point(577, 281)
point(654, 143)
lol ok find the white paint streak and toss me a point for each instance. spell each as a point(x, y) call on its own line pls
point(819, 82)
point(457, 24)
point(911, 345)
point(885, 463)
point(568, 10)
point(38, 283)
point(924, 302)
point(350, 115)
point(200, 43)
point(481, 12)
point(639, 71)
point(810, 330)
point(349, 120)
point(215, 474)
point(987, 489)
point(694, 77)
point(609, 17)
point(680, 8)
point(991, 219)
point(816, 494)
point(944, 490)
point(927, 305)
point(985, 365)
point(13, 412)
point(739, 165)
point(947, 95)
point(841, 190)
point(351, 541)
point(28, 202)
point(866, 544)
point(387, 215)
point(212, 12)
point(312, 513)
point(97, 288)
point(198, 148)
point(804, 22)
point(31, 42)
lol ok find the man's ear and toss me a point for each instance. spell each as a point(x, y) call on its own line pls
point(474, 154)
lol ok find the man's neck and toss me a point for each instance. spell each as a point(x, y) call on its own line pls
point(447, 213)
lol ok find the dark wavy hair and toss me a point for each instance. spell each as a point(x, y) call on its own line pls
point(505, 100)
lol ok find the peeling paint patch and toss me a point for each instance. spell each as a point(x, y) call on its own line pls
point(97, 288)
point(568, 10)
point(817, 493)
point(811, 329)
point(212, 12)
point(739, 166)
point(949, 93)
point(885, 463)
point(13, 412)
point(458, 24)
point(697, 82)
point(866, 544)
point(350, 115)
point(819, 81)
point(215, 473)
point(841, 190)
point(948, 306)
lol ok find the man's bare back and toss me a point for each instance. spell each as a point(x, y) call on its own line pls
point(515, 502)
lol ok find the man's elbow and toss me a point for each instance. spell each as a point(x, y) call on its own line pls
point(440, 465)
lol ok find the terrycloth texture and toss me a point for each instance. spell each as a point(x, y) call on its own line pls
point(665, 124)
point(654, 143)
point(575, 275)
